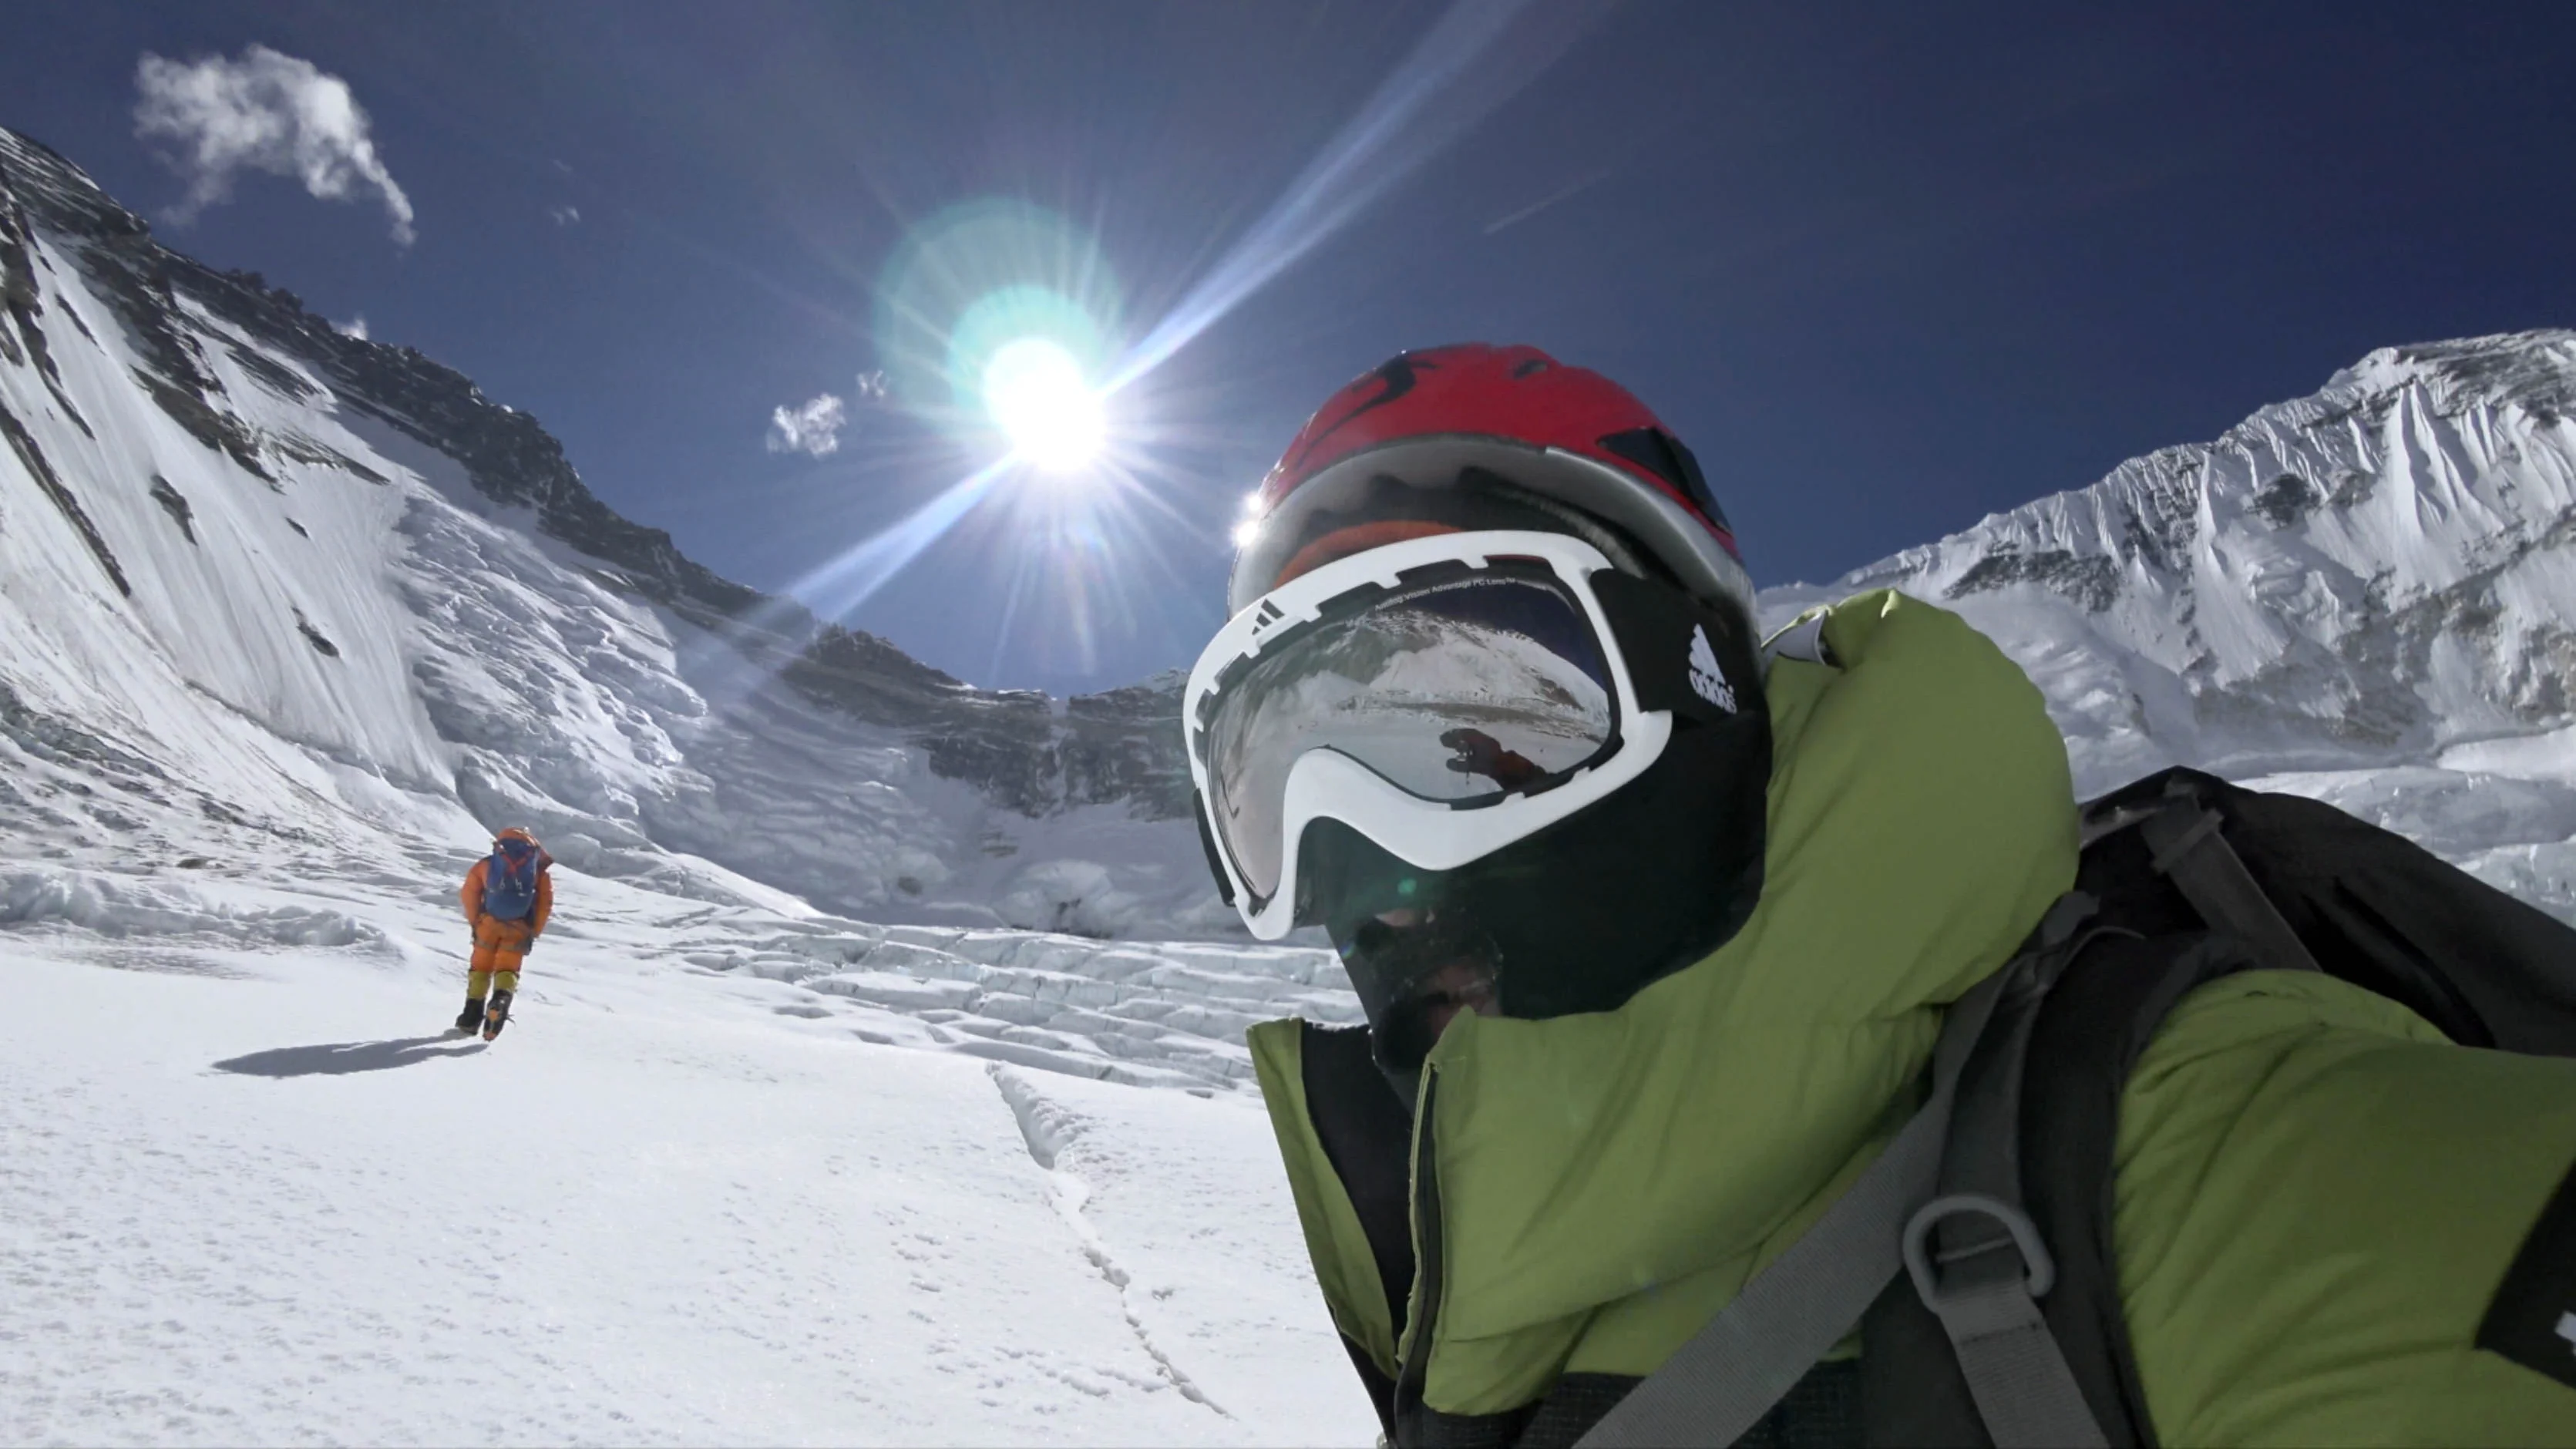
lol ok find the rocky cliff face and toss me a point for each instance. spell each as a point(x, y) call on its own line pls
point(135, 370)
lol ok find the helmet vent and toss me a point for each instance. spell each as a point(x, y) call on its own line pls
point(1664, 455)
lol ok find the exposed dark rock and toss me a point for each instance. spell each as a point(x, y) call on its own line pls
point(2354, 489)
point(277, 379)
point(2286, 499)
point(305, 450)
point(132, 272)
point(2164, 518)
point(2480, 372)
point(299, 528)
point(1125, 744)
point(315, 637)
point(208, 424)
point(18, 298)
point(174, 505)
point(60, 742)
point(2091, 581)
point(25, 444)
point(17, 289)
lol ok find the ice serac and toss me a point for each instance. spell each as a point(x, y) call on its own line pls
point(264, 579)
point(2367, 595)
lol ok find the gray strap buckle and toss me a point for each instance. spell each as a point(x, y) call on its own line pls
point(2015, 1370)
point(2039, 1271)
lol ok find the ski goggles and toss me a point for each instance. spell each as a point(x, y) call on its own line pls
point(1444, 697)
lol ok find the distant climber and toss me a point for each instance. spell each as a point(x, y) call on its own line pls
point(507, 898)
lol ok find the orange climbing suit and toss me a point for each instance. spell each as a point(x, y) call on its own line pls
point(500, 946)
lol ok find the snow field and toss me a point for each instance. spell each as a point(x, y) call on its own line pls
point(254, 1195)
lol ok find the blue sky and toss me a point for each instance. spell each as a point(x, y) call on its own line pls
point(1888, 268)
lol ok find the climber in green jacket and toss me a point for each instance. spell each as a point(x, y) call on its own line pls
point(1655, 929)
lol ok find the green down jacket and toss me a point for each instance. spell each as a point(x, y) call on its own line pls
point(2316, 1194)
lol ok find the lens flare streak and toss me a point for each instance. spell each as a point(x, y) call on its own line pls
point(1422, 107)
point(848, 581)
point(1475, 57)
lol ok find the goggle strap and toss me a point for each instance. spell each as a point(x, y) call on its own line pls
point(1216, 863)
point(1680, 654)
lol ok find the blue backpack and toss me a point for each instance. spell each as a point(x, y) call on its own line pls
point(510, 886)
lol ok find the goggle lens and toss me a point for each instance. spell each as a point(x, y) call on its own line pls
point(1457, 690)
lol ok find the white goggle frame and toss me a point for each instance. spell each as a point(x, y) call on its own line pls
point(1326, 784)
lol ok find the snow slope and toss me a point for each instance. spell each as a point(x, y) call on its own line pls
point(261, 583)
point(253, 1195)
point(288, 622)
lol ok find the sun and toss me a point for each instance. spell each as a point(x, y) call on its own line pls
point(1036, 394)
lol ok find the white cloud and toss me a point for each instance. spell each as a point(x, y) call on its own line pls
point(814, 429)
point(354, 327)
point(263, 112)
point(565, 215)
point(872, 386)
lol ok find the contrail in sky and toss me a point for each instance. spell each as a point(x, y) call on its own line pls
point(1535, 207)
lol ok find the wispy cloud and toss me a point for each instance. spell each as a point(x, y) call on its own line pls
point(814, 429)
point(872, 386)
point(565, 215)
point(262, 112)
point(354, 327)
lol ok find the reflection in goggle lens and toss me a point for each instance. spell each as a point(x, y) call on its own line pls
point(1450, 691)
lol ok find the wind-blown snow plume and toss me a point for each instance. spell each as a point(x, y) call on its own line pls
point(812, 428)
point(263, 112)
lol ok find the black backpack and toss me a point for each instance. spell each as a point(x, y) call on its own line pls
point(1995, 1317)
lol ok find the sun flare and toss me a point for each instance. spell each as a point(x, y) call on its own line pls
point(1036, 394)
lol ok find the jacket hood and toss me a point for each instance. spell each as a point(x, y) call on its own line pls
point(1604, 1183)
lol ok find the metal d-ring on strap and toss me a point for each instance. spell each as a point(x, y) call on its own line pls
point(1988, 1303)
point(1720, 1383)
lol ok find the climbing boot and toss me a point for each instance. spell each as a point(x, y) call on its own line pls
point(497, 1015)
point(472, 1016)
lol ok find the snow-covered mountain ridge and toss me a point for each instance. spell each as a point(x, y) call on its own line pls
point(2368, 594)
point(265, 582)
point(264, 578)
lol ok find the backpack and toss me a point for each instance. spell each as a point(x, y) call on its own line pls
point(510, 892)
point(1976, 1253)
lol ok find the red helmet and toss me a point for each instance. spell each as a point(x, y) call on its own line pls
point(1426, 420)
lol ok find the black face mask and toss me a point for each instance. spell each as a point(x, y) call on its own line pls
point(1578, 917)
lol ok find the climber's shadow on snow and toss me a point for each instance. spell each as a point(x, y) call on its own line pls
point(333, 1059)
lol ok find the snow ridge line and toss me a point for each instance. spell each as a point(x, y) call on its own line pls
point(1047, 1129)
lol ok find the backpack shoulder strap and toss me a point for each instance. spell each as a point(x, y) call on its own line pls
point(1721, 1382)
point(1973, 1255)
point(2036, 1134)
point(2189, 849)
